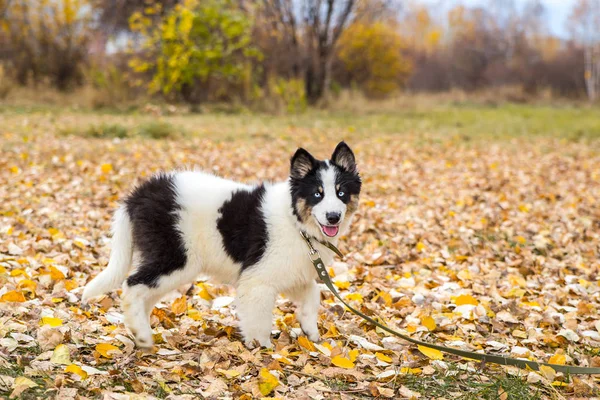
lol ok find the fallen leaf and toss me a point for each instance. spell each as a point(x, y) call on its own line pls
point(61, 355)
point(13, 296)
point(464, 299)
point(342, 362)
point(267, 382)
point(431, 353)
point(428, 323)
point(179, 306)
point(107, 350)
point(76, 369)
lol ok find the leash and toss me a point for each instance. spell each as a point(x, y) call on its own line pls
point(315, 258)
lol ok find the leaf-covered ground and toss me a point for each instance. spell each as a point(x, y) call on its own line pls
point(480, 245)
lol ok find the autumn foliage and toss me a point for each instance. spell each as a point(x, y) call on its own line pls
point(372, 55)
point(246, 51)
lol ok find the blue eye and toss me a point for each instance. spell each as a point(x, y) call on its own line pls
point(317, 194)
point(341, 194)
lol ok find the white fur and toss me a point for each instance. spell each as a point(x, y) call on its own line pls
point(284, 268)
point(120, 258)
point(331, 202)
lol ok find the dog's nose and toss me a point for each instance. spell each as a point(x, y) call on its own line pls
point(333, 217)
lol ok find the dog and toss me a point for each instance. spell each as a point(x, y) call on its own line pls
point(179, 225)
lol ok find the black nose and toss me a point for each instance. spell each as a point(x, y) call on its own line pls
point(333, 217)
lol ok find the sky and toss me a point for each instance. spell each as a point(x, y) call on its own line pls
point(557, 11)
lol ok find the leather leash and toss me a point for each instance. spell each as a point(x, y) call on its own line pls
point(315, 258)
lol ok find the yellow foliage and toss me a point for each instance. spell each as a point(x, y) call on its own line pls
point(372, 55)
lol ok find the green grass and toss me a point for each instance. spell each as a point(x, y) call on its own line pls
point(429, 123)
point(457, 384)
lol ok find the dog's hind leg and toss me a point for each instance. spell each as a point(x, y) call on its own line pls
point(137, 313)
point(139, 300)
point(254, 307)
point(307, 299)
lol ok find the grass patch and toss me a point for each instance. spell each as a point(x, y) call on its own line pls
point(106, 131)
point(158, 130)
point(458, 384)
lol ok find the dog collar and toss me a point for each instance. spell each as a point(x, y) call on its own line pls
point(312, 251)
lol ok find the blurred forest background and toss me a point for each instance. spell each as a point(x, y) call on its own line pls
point(285, 55)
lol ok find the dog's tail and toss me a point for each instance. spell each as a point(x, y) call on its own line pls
point(120, 258)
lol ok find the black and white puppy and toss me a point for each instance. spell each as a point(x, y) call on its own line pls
point(177, 226)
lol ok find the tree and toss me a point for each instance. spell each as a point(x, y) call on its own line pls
point(48, 39)
point(372, 55)
point(194, 44)
point(312, 27)
point(584, 23)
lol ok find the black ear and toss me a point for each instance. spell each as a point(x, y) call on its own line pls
point(344, 157)
point(302, 163)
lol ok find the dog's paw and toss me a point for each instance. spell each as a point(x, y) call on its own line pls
point(254, 343)
point(144, 341)
point(312, 333)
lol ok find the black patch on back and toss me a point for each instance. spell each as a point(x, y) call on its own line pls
point(152, 209)
point(306, 187)
point(348, 182)
point(243, 227)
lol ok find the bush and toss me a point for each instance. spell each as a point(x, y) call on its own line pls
point(48, 40)
point(372, 56)
point(196, 43)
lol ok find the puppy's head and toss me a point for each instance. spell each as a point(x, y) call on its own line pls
point(325, 193)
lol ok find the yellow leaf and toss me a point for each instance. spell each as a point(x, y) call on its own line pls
point(179, 306)
point(61, 355)
point(51, 321)
point(306, 343)
point(342, 285)
point(547, 372)
point(370, 203)
point(465, 299)
point(105, 348)
point(342, 362)
point(559, 359)
point(431, 353)
point(106, 168)
point(230, 373)
point(354, 296)
point(22, 381)
point(428, 323)
point(56, 274)
point(413, 371)
point(70, 285)
point(14, 169)
point(194, 314)
point(204, 292)
point(267, 382)
point(387, 298)
point(353, 354)
point(420, 246)
point(13, 296)
point(27, 284)
point(18, 272)
point(76, 369)
point(557, 383)
point(383, 357)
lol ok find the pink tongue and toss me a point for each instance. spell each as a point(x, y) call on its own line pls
point(330, 230)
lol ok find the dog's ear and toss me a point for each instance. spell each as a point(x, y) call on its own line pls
point(344, 157)
point(301, 164)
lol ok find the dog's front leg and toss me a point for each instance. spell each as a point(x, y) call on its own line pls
point(308, 300)
point(255, 304)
